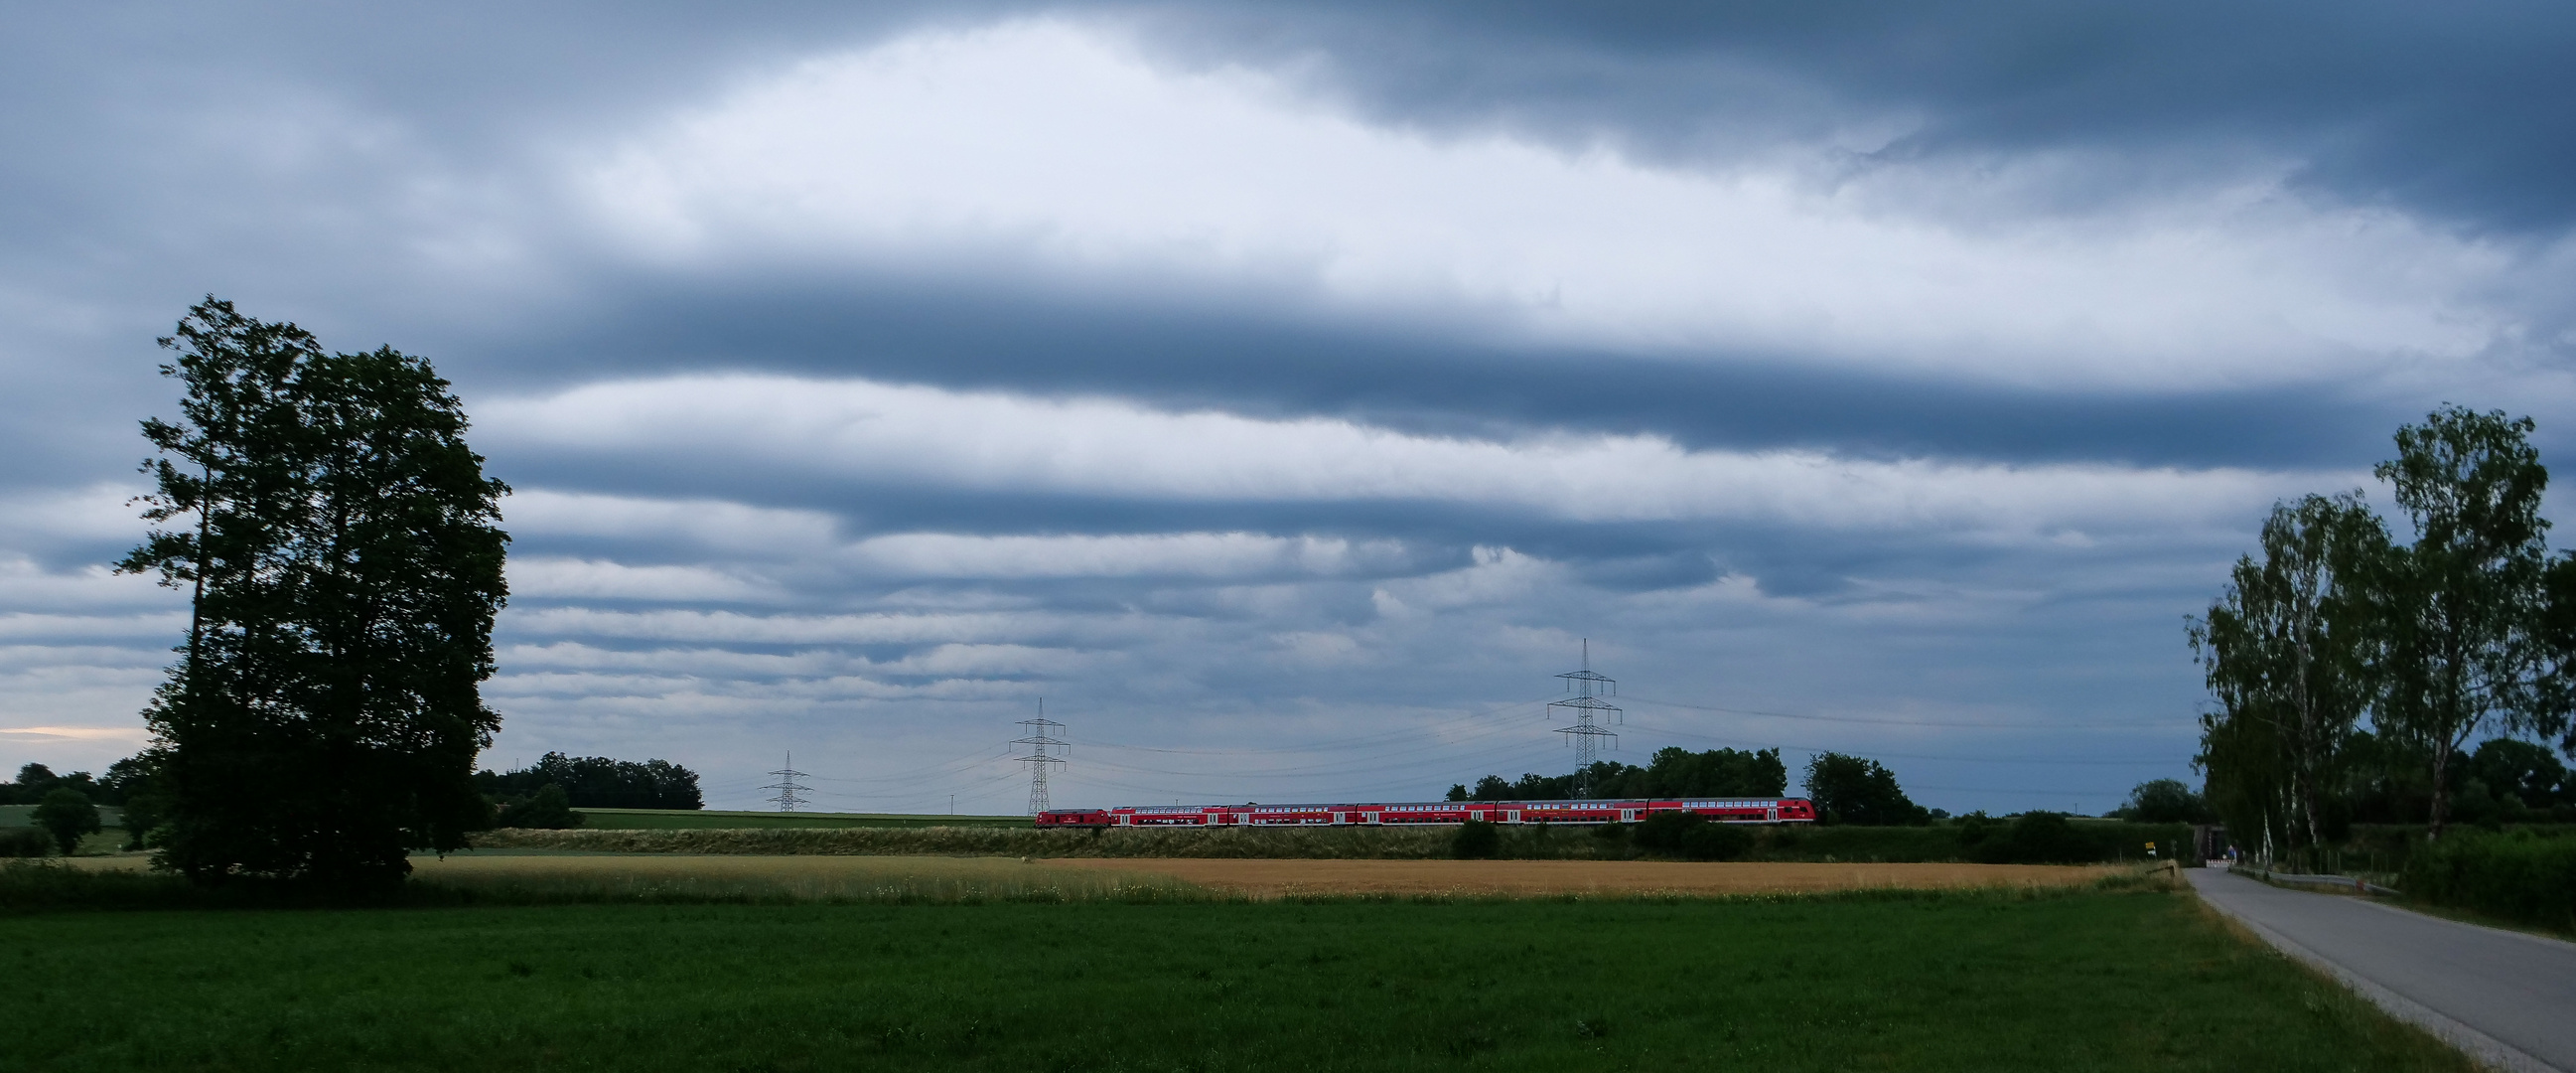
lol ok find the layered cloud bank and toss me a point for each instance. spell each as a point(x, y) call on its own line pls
point(1284, 396)
point(1054, 147)
point(870, 433)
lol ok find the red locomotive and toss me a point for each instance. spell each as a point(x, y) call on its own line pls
point(1629, 810)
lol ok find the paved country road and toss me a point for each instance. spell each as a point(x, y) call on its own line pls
point(2505, 997)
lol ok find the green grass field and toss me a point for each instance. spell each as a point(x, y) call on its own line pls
point(2099, 980)
point(105, 841)
point(23, 815)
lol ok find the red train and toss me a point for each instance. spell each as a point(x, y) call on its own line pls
point(1723, 810)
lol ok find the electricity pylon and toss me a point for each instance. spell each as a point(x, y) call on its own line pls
point(1041, 740)
point(787, 787)
point(1586, 705)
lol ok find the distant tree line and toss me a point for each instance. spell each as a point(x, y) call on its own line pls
point(596, 782)
point(34, 781)
point(1672, 772)
point(1846, 789)
point(67, 805)
point(2352, 670)
point(541, 795)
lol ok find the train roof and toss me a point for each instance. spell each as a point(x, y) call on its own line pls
point(1596, 802)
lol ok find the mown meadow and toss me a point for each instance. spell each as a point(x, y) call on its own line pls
point(2130, 975)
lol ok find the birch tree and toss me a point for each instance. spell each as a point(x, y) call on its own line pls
point(2288, 652)
point(2468, 603)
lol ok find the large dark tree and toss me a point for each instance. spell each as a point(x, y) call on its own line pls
point(2468, 609)
point(339, 544)
point(1852, 789)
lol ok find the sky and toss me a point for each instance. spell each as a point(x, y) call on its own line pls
point(1284, 395)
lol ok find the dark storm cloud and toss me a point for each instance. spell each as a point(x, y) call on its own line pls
point(2456, 110)
point(2452, 109)
point(324, 163)
point(990, 332)
point(2445, 111)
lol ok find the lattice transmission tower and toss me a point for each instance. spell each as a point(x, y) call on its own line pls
point(787, 786)
point(1586, 705)
point(1043, 744)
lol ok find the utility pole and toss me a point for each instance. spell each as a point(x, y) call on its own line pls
point(1042, 742)
point(1585, 705)
point(787, 787)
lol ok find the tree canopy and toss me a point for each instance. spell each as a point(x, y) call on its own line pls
point(2288, 649)
point(1671, 772)
point(1858, 790)
point(2165, 801)
point(66, 815)
point(340, 545)
point(2466, 631)
point(598, 782)
point(34, 781)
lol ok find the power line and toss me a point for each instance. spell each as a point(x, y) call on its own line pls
point(2058, 794)
point(2155, 725)
point(1330, 745)
point(1443, 747)
point(1509, 749)
point(961, 764)
point(1910, 756)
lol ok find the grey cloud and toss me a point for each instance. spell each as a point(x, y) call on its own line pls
point(2448, 110)
point(1251, 359)
point(328, 164)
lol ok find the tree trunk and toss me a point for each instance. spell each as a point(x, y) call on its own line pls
point(2441, 792)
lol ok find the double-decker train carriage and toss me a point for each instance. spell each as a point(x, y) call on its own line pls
point(1629, 810)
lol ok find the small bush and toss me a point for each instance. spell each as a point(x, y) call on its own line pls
point(1975, 827)
point(1662, 831)
point(67, 815)
point(1476, 840)
point(1716, 842)
point(25, 842)
point(2518, 875)
point(1690, 835)
point(2037, 838)
point(549, 810)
